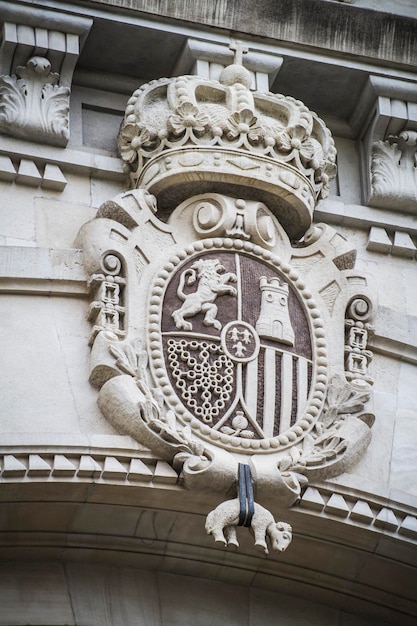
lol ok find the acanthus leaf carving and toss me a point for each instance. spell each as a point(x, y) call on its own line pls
point(385, 161)
point(393, 172)
point(34, 105)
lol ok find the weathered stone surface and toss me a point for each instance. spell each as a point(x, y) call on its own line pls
point(288, 21)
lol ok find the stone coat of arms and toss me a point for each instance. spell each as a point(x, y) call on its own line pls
point(233, 353)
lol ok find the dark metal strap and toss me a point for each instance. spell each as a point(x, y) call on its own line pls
point(249, 497)
point(242, 495)
point(246, 502)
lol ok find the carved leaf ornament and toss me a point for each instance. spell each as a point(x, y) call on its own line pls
point(393, 171)
point(324, 443)
point(34, 104)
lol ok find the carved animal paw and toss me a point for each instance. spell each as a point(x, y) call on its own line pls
point(183, 325)
point(210, 322)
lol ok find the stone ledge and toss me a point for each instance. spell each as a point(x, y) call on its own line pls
point(73, 466)
point(42, 271)
point(27, 173)
point(334, 211)
point(43, 287)
point(377, 514)
point(28, 15)
point(395, 335)
point(396, 243)
point(393, 348)
point(73, 161)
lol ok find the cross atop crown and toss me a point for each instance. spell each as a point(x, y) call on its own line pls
point(239, 49)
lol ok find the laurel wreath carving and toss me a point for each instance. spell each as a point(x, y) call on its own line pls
point(132, 359)
point(324, 443)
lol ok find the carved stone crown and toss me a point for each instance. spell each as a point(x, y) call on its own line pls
point(190, 135)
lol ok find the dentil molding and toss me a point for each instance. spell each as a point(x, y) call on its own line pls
point(128, 471)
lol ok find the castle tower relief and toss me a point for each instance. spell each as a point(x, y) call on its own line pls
point(274, 321)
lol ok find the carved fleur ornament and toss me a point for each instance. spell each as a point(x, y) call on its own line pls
point(236, 357)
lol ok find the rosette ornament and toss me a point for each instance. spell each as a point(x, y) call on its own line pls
point(189, 135)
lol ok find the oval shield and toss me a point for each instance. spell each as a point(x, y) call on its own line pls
point(236, 343)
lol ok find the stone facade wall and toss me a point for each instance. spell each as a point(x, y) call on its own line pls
point(101, 527)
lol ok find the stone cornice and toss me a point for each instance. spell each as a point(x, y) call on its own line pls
point(372, 34)
point(127, 469)
point(369, 37)
point(334, 211)
point(26, 13)
point(77, 161)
